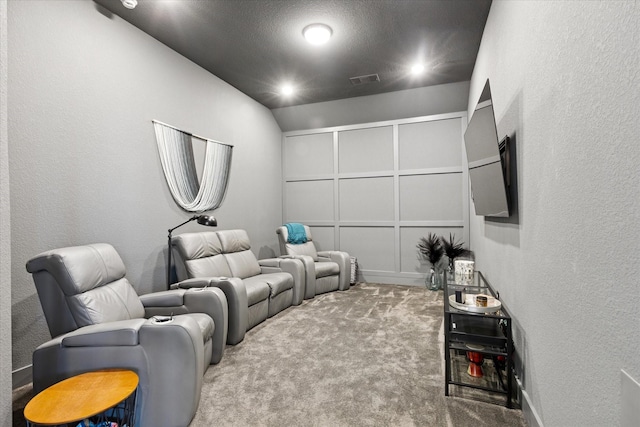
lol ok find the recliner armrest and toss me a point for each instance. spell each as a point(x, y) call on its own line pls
point(237, 302)
point(196, 282)
point(162, 348)
point(344, 261)
point(119, 333)
point(208, 300)
point(171, 298)
point(309, 290)
point(211, 301)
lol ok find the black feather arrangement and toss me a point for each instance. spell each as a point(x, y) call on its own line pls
point(431, 249)
point(452, 248)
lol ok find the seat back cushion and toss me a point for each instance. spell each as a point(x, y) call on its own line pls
point(302, 249)
point(213, 266)
point(287, 248)
point(83, 285)
point(201, 254)
point(109, 303)
point(236, 248)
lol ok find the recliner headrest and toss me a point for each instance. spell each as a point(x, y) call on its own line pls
point(78, 269)
point(282, 230)
point(197, 245)
point(234, 241)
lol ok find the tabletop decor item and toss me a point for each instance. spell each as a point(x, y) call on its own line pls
point(431, 250)
point(481, 300)
point(470, 303)
point(464, 270)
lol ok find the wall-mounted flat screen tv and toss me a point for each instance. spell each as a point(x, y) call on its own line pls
point(487, 160)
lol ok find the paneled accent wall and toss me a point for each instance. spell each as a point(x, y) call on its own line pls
point(374, 189)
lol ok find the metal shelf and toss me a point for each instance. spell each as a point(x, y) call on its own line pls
point(488, 334)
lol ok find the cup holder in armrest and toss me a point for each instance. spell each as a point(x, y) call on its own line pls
point(162, 319)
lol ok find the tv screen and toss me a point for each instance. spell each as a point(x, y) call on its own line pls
point(486, 166)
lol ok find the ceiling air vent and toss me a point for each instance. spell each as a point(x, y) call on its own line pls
point(360, 80)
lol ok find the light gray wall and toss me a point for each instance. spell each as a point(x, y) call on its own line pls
point(83, 89)
point(5, 234)
point(565, 84)
point(426, 101)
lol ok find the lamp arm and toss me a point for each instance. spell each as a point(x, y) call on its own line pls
point(193, 218)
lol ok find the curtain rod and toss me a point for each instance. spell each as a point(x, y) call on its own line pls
point(191, 134)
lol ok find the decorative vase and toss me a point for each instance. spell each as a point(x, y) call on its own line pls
point(451, 269)
point(475, 364)
point(434, 279)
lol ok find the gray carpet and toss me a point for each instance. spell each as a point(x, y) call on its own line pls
point(369, 356)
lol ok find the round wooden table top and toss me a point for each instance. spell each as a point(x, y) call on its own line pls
point(80, 397)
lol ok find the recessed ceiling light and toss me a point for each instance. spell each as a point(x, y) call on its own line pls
point(317, 34)
point(287, 89)
point(417, 69)
point(129, 4)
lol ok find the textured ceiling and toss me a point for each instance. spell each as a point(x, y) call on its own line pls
point(257, 45)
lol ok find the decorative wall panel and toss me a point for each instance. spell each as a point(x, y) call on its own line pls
point(323, 238)
point(433, 197)
point(373, 246)
point(308, 201)
point(309, 155)
point(366, 199)
point(366, 150)
point(432, 144)
point(374, 189)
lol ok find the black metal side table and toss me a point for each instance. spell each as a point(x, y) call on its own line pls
point(476, 334)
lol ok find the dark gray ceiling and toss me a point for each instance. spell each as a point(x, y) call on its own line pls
point(256, 45)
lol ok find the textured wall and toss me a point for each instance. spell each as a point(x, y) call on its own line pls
point(565, 79)
point(83, 89)
point(426, 101)
point(5, 233)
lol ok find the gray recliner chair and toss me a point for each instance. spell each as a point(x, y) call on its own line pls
point(255, 289)
point(97, 321)
point(325, 271)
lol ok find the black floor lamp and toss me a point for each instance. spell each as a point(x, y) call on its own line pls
point(203, 220)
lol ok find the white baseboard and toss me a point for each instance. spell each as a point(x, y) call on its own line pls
point(528, 410)
point(390, 278)
point(22, 376)
point(630, 395)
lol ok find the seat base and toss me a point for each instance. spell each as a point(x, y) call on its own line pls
point(258, 313)
point(327, 284)
point(280, 302)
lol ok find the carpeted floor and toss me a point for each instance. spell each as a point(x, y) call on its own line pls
point(369, 356)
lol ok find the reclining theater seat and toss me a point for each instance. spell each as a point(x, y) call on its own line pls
point(255, 290)
point(325, 271)
point(97, 321)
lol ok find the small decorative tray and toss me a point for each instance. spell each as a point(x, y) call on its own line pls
point(493, 304)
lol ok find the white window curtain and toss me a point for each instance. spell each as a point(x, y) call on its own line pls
point(176, 155)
